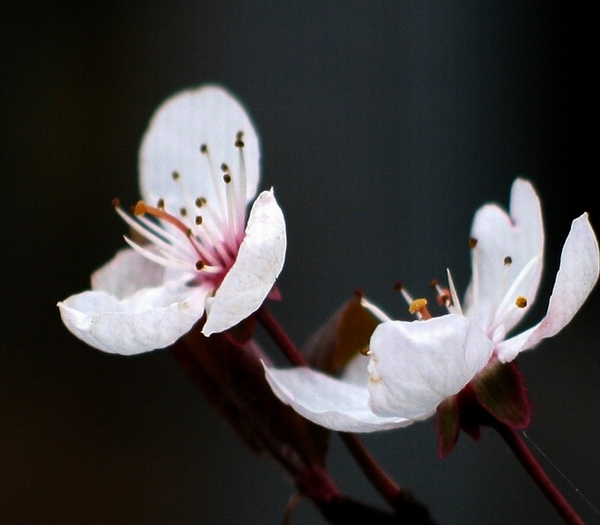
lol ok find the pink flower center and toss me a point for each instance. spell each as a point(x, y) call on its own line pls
point(200, 237)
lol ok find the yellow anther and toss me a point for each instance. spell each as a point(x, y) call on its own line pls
point(521, 302)
point(417, 306)
point(140, 208)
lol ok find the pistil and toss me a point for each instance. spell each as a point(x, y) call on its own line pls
point(141, 208)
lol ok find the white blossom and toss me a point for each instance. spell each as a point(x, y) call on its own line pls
point(413, 366)
point(192, 249)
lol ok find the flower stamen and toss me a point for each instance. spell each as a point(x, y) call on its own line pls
point(220, 226)
point(216, 182)
point(212, 237)
point(475, 266)
point(239, 143)
point(187, 198)
point(500, 292)
point(166, 260)
point(173, 251)
point(377, 312)
point(208, 237)
point(231, 199)
point(506, 307)
point(164, 240)
point(418, 307)
point(399, 287)
point(443, 294)
point(521, 302)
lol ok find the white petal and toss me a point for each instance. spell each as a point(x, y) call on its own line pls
point(519, 236)
point(126, 273)
point(207, 115)
point(356, 371)
point(577, 275)
point(416, 365)
point(258, 263)
point(327, 401)
point(149, 319)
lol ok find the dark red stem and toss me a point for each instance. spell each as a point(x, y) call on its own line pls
point(534, 469)
point(279, 335)
point(385, 485)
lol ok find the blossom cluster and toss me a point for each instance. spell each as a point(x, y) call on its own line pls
point(199, 266)
point(412, 367)
point(195, 254)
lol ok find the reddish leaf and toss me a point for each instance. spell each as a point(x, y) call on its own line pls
point(354, 333)
point(501, 391)
point(472, 415)
point(448, 425)
point(346, 333)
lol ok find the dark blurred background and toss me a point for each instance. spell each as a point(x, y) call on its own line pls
point(384, 126)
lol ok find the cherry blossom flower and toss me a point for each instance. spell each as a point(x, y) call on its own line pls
point(191, 252)
point(414, 366)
